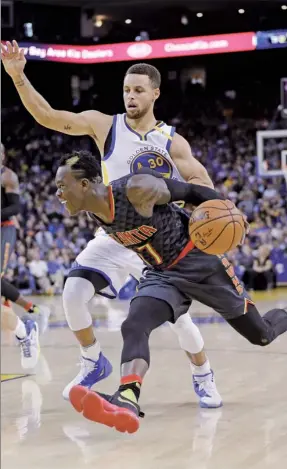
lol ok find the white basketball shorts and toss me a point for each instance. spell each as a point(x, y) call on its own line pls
point(110, 259)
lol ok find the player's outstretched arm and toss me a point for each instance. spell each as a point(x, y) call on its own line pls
point(144, 191)
point(83, 123)
point(194, 194)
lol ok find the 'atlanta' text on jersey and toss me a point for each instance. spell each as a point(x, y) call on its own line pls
point(159, 240)
point(135, 236)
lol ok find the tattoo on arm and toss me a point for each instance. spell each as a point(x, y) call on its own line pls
point(19, 83)
point(67, 127)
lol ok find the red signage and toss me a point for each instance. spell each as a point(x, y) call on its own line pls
point(147, 50)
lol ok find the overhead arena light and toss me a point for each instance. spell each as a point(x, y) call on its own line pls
point(184, 20)
point(28, 29)
point(199, 15)
point(128, 21)
point(283, 7)
point(98, 21)
point(241, 11)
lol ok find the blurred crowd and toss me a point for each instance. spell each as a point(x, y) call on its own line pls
point(228, 151)
point(48, 240)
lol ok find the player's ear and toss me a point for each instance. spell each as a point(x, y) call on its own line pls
point(156, 93)
point(85, 184)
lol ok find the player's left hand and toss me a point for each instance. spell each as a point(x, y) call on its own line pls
point(13, 58)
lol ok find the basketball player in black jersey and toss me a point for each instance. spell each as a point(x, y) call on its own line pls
point(10, 206)
point(141, 89)
point(136, 211)
point(26, 330)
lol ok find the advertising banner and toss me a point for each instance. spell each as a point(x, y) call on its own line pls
point(145, 50)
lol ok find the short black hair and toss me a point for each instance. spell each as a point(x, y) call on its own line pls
point(146, 69)
point(84, 163)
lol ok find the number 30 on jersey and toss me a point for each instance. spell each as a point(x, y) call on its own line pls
point(153, 161)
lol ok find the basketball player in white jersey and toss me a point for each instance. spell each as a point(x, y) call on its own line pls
point(126, 142)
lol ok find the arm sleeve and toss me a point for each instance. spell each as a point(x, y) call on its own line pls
point(13, 207)
point(191, 193)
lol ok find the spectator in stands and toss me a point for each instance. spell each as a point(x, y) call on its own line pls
point(262, 271)
point(246, 264)
point(226, 147)
point(43, 237)
point(65, 263)
point(39, 270)
point(55, 272)
point(22, 278)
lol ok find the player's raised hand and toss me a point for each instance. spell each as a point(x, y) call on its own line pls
point(13, 58)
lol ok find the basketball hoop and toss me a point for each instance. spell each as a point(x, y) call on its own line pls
point(283, 93)
point(263, 167)
point(285, 173)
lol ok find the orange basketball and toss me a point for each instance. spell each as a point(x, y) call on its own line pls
point(216, 226)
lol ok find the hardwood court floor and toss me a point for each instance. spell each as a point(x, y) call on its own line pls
point(42, 431)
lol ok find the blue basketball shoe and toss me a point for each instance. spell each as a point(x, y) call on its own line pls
point(205, 388)
point(29, 346)
point(91, 372)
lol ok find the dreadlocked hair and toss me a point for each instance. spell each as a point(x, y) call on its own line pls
point(83, 163)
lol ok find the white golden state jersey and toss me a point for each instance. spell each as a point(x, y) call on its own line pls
point(130, 151)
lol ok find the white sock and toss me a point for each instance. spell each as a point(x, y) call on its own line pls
point(202, 369)
point(91, 351)
point(20, 330)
